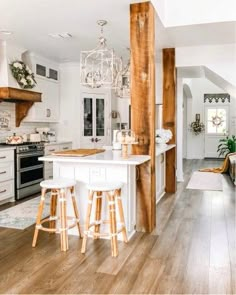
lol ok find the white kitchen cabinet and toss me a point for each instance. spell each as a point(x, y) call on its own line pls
point(94, 120)
point(41, 67)
point(49, 149)
point(6, 176)
point(160, 176)
point(47, 78)
point(48, 109)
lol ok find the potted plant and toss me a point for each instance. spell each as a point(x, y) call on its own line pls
point(227, 145)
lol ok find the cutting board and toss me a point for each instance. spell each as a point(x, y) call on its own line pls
point(78, 152)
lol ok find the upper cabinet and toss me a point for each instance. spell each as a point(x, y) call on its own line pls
point(43, 70)
point(47, 77)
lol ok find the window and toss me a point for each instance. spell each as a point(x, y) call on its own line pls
point(216, 120)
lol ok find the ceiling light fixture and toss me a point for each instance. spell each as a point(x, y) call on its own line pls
point(97, 66)
point(64, 35)
point(5, 32)
point(122, 81)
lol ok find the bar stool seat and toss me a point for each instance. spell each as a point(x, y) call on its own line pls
point(104, 186)
point(60, 189)
point(58, 183)
point(112, 191)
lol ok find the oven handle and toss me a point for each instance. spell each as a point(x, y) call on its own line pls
point(31, 168)
point(26, 155)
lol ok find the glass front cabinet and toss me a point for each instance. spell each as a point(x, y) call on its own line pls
point(94, 120)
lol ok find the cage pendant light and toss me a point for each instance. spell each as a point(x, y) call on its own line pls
point(97, 65)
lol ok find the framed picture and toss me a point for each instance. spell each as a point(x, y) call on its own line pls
point(5, 120)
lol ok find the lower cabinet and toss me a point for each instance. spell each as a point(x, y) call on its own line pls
point(50, 148)
point(6, 190)
point(160, 176)
point(7, 186)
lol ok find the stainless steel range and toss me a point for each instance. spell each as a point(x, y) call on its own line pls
point(28, 169)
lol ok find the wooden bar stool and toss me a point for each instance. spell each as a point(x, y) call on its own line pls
point(113, 193)
point(59, 190)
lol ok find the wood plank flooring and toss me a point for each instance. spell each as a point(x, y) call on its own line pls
point(192, 251)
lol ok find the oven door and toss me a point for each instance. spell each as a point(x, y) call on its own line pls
point(29, 177)
point(28, 160)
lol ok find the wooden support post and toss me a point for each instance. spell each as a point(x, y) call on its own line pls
point(169, 114)
point(142, 39)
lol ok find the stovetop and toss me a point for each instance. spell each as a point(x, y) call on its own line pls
point(26, 147)
point(20, 144)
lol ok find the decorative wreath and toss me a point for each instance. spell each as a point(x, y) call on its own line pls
point(197, 127)
point(23, 75)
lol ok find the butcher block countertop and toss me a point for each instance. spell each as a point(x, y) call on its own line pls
point(106, 157)
point(78, 152)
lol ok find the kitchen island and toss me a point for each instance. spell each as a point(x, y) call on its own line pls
point(107, 166)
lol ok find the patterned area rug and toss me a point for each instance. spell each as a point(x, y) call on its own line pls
point(206, 181)
point(23, 215)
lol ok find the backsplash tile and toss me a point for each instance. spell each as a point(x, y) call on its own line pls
point(26, 128)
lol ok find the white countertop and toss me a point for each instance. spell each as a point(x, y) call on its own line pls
point(7, 147)
point(160, 148)
point(57, 142)
point(108, 157)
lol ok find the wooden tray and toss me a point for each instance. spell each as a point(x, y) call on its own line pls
point(78, 152)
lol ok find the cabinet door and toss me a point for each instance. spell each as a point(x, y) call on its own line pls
point(48, 109)
point(37, 112)
point(94, 117)
point(52, 102)
point(160, 176)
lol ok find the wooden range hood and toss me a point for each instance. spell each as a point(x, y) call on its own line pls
point(24, 99)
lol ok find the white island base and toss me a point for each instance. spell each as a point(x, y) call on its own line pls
point(107, 166)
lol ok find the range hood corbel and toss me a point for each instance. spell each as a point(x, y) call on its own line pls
point(24, 100)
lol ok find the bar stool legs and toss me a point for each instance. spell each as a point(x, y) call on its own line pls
point(76, 212)
point(113, 194)
point(113, 227)
point(121, 214)
point(98, 214)
point(87, 221)
point(53, 209)
point(63, 229)
point(60, 189)
point(39, 217)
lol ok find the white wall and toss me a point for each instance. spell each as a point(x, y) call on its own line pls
point(187, 12)
point(200, 86)
point(219, 58)
point(25, 128)
point(179, 132)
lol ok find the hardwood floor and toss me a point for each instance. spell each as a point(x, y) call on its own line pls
point(192, 250)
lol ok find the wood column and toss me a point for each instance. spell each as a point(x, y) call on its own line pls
point(169, 114)
point(142, 39)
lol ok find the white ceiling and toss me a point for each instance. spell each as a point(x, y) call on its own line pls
point(32, 21)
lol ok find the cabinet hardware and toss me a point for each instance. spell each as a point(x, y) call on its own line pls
point(48, 113)
point(3, 172)
point(65, 148)
point(1, 192)
point(96, 139)
point(52, 150)
point(92, 139)
point(3, 157)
